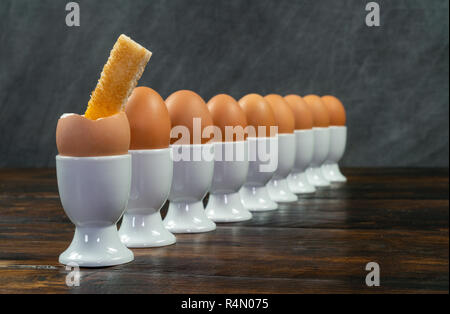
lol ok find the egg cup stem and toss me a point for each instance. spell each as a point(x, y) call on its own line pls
point(139, 231)
point(279, 191)
point(96, 247)
point(257, 199)
point(227, 208)
point(333, 173)
point(298, 183)
point(188, 217)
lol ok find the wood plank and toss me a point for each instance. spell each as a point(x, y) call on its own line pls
point(48, 281)
point(316, 213)
point(396, 217)
point(281, 253)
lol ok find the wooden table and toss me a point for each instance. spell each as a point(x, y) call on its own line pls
point(396, 217)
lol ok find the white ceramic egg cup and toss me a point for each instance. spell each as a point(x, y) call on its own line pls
point(338, 141)
point(192, 178)
point(94, 192)
point(320, 154)
point(254, 194)
point(230, 173)
point(150, 185)
point(278, 186)
point(304, 147)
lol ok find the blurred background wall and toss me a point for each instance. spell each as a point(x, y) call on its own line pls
point(393, 79)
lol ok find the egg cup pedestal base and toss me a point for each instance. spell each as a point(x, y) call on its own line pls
point(151, 179)
point(185, 217)
point(257, 199)
point(94, 193)
point(279, 191)
point(96, 247)
point(227, 208)
point(316, 178)
point(332, 173)
point(320, 155)
point(298, 183)
point(254, 194)
point(141, 231)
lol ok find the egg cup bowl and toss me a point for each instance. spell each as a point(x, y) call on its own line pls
point(338, 140)
point(254, 194)
point(230, 173)
point(320, 154)
point(191, 181)
point(304, 148)
point(151, 179)
point(94, 192)
point(278, 186)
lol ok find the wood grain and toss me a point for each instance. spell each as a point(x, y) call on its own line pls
point(321, 244)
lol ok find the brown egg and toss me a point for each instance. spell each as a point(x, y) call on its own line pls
point(319, 111)
point(335, 109)
point(78, 136)
point(284, 117)
point(259, 113)
point(302, 114)
point(184, 106)
point(225, 111)
point(149, 119)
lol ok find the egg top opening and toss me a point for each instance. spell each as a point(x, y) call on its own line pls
point(78, 136)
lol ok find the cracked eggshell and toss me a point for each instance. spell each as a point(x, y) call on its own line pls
point(78, 136)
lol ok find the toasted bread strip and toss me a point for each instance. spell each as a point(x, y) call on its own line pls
point(119, 77)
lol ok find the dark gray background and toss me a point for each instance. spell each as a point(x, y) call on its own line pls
point(392, 79)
